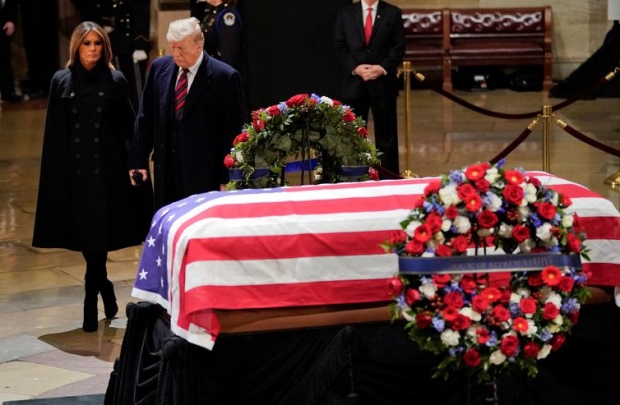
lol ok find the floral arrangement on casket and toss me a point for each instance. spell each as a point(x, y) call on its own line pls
point(476, 325)
point(293, 128)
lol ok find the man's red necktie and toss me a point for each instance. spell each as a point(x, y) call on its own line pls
point(368, 26)
point(179, 94)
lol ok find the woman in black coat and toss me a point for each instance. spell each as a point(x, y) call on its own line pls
point(86, 202)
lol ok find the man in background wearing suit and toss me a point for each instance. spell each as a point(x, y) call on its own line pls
point(370, 40)
point(192, 108)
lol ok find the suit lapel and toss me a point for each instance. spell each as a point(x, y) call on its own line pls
point(358, 18)
point(199, 84)
point(378, 19)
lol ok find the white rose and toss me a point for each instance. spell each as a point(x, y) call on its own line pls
point(555, 198)
point(527, 245)
point(567, 220)
point(491, 175)
point(524, 213)
point(530, 192)
point(543, 232)
point(544, 352)
point(450, 337)
point(239, 157)
point(446, 225)
point(428, 290)
point(462, 224)
point(497, 357)
point(495, 203)
point(470, 313)
point(449, 195)
point(505, 231)
point(327, 101)
point(531, 328)
point(555, 299)
point(558, 320)
point(412, 227)
point(553, 328)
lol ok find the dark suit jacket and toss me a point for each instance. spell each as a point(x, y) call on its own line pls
point(386, 48)
point(213, 115)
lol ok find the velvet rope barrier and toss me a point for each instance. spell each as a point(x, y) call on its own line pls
point(583, 93)
point(522, 137)
point(586, 139)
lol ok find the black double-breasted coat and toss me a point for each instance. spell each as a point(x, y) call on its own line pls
point(85, 200)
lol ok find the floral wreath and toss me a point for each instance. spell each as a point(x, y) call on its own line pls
point(474, 324)
point(293, 128)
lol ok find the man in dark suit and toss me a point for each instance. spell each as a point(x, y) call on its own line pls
point(192, 108)
point(371, 45)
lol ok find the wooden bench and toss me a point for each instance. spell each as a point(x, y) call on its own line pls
point(504, 37)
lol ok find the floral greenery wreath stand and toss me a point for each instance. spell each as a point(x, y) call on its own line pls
point(451, 307)
point(298, 127)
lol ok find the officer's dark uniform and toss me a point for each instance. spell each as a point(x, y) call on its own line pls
point(130, 23)
point(221, 26)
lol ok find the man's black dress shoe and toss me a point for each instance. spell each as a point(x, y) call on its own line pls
point(12, 98)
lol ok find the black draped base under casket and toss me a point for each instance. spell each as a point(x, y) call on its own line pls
point(364, 364)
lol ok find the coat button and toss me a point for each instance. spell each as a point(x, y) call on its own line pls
point(98, 109)
point(96, 154)
point(77, 156)
point(97, 125)
point(72, 94)
point(77, 140)
point(74, 110)
point(96, 140)
point(101, 93)
point(77, 125)
point(97, 171)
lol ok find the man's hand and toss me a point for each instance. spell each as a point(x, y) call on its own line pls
point(369, 72)
point(9, 28)
point(143, 172)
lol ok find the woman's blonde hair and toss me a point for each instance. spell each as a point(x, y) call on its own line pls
point(78, 36)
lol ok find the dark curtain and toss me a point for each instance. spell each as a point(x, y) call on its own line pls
point(289, 49)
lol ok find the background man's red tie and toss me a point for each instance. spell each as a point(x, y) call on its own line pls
point(179, 94)
point(368, 26)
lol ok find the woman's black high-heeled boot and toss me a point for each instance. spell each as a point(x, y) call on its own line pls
point(91, 314)
point(109, 299)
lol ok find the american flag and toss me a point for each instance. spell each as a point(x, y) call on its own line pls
point(306, 246)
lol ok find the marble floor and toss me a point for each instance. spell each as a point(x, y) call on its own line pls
point(43, 350)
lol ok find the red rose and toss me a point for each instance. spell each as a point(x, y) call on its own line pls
point(449, 313)
point(395, 286)
point(505, 298)
point(468, 284)
point(422, 233)
point(493, 294)
point(441, 279)
point(336, 103)
point(551, 275)
point(453, 299)
point(242, 137)
point(487, 219)
point(465, 190)
point(573, 242)
point(513, 177)
point(274, 111)
point(574, 317)
point(500, 313)
point(566, 284)
point(423, 319)
point(432, 187)
point(546, 210)
point(296, 100)
point(550, 311)
point(565, 200)
point(412, 296)
point(534, 279)
point(229, 161)
point(373, 174)
point(528, 305)
point(259, 125)
point(483, 335)
point(443, 251)
point(509, 345)
point(530, 350)
point(471, 358)
point(475, 172)
point(461, 322)
point(520, 324)
point(557, 341)
point(434, 221)
point(520, 233)
point(363, 132)
point(534, 181)
point(460, 244)
point(482, 185)
point(398, 237)
point(513, 194)
point(348, 116)
point(414, 247)
point(480, 303)
point(473, 202)
point(451, 213)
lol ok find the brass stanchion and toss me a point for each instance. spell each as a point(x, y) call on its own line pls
point(407, 70)
point(546, 114)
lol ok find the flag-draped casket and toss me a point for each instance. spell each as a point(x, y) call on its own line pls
point(308, 248)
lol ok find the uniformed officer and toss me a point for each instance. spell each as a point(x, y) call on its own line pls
point(221, 26)
point(127, 23)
